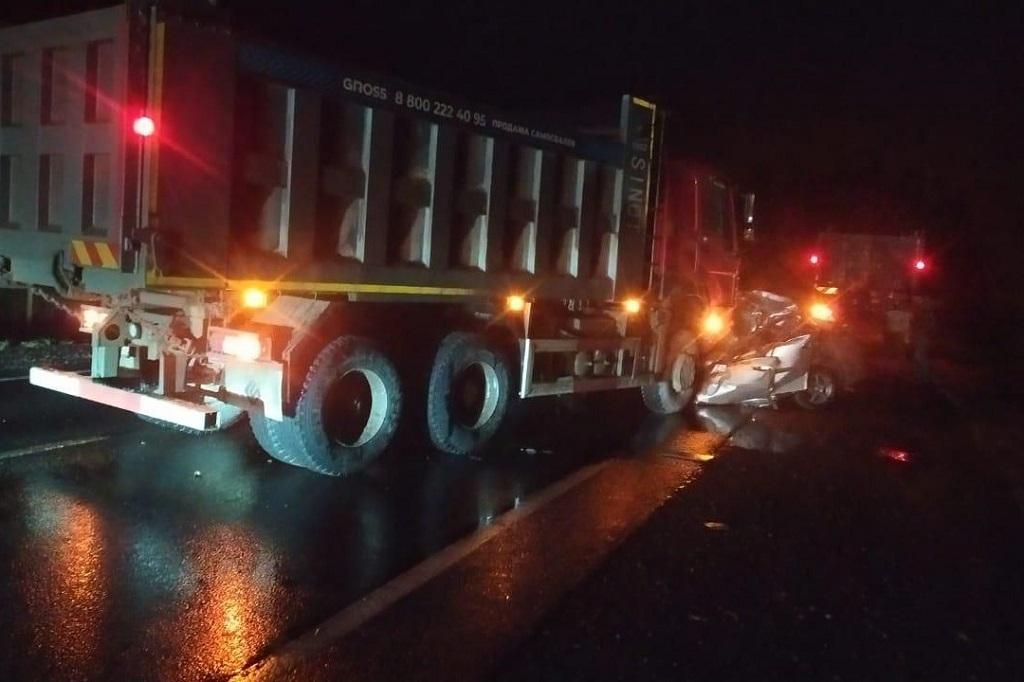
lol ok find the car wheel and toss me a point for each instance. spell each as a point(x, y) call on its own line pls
point(822, 389)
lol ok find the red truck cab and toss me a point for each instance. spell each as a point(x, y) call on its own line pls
point(705, 219)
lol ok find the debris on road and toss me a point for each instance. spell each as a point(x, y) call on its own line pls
point(894, 454)
point(16, 358)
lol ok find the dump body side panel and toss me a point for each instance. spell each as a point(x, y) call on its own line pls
point(348, 183)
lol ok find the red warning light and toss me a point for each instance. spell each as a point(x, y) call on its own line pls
point(814, 259)
point(920, 265)
point(143, 126)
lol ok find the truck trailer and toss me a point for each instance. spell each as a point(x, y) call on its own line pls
point(244, 229)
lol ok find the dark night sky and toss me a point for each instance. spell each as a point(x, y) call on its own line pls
point(888, 117)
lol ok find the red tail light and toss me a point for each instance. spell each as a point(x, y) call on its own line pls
point(920, 265)
point(814, 259)
point(143, 126)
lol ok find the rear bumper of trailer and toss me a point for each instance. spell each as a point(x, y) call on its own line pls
point(181, 412)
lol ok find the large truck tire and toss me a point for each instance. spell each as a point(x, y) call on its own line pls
point(280, 440)
point(468, 393)
point(675, 391)
point(348, 409)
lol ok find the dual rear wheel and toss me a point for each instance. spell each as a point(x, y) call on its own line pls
point(468, 393)
point(348, 409)
point(346, 414)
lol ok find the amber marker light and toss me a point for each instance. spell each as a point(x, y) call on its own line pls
point(632, 305)
point(713, 323)
point(822, 312)
point(515, 303)
point(254, 297)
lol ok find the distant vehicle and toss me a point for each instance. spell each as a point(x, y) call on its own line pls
point(873, 277)
point(249, 230)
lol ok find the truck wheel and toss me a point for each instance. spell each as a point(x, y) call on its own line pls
point(822, 389)
point(280, 440)
point(674, 391)
point(348, 410)
point(468, 393)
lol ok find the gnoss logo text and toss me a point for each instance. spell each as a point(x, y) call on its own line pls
point(365, 89)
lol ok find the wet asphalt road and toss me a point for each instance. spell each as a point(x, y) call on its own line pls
point(864, 543)
point(876, 544)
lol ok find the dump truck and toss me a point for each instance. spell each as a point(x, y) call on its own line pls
point(247, 230)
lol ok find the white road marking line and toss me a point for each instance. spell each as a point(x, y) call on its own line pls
point(355, 615)
point(47, 447)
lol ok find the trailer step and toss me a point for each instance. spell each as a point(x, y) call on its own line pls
point(192, 415)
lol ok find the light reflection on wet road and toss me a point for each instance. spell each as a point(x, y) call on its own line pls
point(65, 579)
point(118, 560)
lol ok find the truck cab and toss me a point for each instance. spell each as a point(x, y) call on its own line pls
point(705, 219)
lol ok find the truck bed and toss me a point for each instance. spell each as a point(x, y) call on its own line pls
point(270, 166)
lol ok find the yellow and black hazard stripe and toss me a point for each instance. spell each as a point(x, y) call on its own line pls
point(93, 254)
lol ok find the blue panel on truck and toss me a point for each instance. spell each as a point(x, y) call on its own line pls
point(400, 96)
